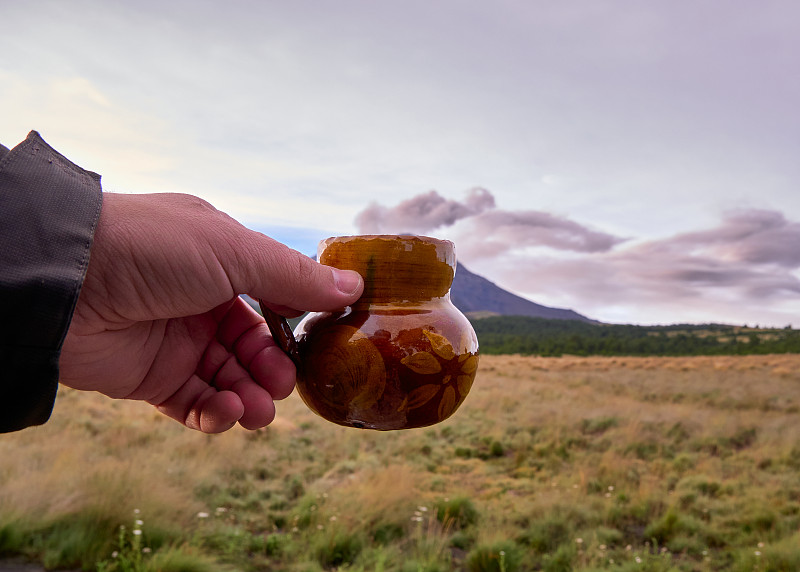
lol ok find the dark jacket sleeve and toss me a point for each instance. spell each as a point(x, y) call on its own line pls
point(49, 208)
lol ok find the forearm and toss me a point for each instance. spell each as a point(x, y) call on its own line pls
point(48, 211)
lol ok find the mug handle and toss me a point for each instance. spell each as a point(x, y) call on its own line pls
point(281, 332)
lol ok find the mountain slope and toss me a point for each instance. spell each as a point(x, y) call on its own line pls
point(475, 295)
point(472, 293)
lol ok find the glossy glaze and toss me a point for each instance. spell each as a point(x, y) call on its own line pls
point(401, 357)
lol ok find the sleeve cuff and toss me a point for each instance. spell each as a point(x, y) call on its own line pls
point(49, 208)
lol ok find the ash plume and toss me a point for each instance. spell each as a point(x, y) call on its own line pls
point(422, 213)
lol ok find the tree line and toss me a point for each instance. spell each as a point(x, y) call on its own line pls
point(548, 337)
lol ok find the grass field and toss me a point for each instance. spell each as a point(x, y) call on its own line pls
point(551, 464)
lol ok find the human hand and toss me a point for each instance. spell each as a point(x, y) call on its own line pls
point(159, 318)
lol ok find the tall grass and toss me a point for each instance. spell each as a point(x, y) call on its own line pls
point(551, 464)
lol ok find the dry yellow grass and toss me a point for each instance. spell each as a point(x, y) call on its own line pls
point(585, 439)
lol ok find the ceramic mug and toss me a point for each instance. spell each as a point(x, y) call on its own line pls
point(403, 355)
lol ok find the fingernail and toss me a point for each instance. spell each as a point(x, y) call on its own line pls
point(347, 281)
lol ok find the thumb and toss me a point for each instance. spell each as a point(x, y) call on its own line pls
point(288, 280)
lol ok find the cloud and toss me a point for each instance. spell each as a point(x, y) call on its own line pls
point(754, 236)
point(484, 231)
point(747, 266)
point(422, 213)
point(498, 232)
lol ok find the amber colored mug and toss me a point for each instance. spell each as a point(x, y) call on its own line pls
point(403, 355)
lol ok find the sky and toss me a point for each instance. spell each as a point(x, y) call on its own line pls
point(638, 162)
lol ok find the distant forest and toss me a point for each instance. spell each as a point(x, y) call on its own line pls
point(545, 337)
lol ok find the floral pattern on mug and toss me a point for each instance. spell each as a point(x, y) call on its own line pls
point(459, 373)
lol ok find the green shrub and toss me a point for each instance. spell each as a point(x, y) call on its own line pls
point(275, 544)
point(182, 560)
point(672, 525)
point(458, 512)
point(496, 449)
point(683, 462)
point(708, 488)
point(463, 452)
point(561, 561)
point(338, 549)
point(546, 535)
point(295, 488)
point(684, 544)
point(502, 556)
point(11, 539)
point(743, 438)
point(305, 512)
point(609, 536)
point(759, 520)
point(598, 425)
point(781, 557)
point(417, 566)
point(649, 450)
point(635, 515)
point(462, 540)
point(76, 540)
point(387, 532)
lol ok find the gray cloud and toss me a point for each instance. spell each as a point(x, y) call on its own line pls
point(755, 236)
point(497, 232)
point(746, 266)
point(484, 231)
point(422, 213)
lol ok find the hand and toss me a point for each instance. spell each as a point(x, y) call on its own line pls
point(159, 318)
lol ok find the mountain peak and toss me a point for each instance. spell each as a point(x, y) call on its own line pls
point(478, 297)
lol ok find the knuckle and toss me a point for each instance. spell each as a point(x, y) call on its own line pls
point(302, 274)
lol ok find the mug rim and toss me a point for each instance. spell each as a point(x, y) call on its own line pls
point(399, 237)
